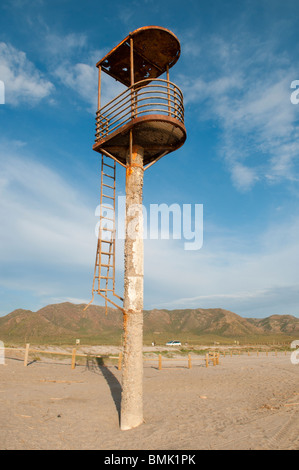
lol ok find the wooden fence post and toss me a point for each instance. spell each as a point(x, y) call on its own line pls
point(74, 358)
point(160, 362)
point(26, 354)
point(207, 360)
point(189, 362)
point(120, 360)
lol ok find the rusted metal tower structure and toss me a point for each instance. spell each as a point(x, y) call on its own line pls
point(135, 129)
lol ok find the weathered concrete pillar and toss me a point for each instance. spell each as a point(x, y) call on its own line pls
point(132, 379)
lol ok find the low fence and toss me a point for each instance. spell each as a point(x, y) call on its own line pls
point(74, 354)
point(210, 358)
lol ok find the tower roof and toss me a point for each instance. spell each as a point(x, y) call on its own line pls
point(154, 48)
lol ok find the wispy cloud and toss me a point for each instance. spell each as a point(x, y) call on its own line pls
point(234, 272)
point(242, 176)
point(82, 78)
point(45, 225)
point(72, 64)
point(23, 81)
point(248, 95)
point(47, 236)
point(247, 303)
point(65, 46)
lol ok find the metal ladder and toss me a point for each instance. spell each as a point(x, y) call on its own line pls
point(104, 272)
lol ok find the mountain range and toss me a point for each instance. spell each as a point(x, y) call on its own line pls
point(64, 322)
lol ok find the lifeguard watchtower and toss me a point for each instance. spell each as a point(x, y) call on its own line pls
point(137, 128)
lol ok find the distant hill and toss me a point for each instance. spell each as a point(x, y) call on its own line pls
point(64, 322)
point(277, 324)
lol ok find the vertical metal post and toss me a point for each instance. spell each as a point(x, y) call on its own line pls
point(132, 378)
point(168, 89)
point(99, 88)
point(133, 93)
point(99, 122)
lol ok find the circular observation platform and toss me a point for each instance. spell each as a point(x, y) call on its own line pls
point(153, 110)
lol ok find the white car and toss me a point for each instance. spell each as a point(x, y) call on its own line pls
point(174, 343)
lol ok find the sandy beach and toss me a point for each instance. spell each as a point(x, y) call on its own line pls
point(245, 402)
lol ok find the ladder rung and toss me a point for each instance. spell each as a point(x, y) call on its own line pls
point(109, 176)
point(106, 218)
point(107, 265)
point(106, 253)
point(107, 207)
point(106, 241)
point(110, 166)
point(108, 229)
point(107, 186)
point(110, 197)
point(106, 277)
point(106, 290)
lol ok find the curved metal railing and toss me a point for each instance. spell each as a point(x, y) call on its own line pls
point(143, 98)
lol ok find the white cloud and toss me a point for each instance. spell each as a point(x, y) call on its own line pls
point(44, 220)
point(249, 276)
point(243, 177)
point(63, 52)
point(47, 241)
point(23, 81)
point(64, 46)
point(258, 303)
point(248, 95)
point(47, 234)
point(83, 79)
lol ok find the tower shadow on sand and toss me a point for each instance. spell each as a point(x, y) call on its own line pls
point(97, 364)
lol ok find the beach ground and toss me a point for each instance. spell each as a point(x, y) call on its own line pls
point(245, 402)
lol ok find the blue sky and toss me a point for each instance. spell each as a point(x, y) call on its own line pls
point(240, 159)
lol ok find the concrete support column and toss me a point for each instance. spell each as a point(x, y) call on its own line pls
point(132, 379)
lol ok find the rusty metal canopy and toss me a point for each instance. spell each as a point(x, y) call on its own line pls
point(154, 48)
